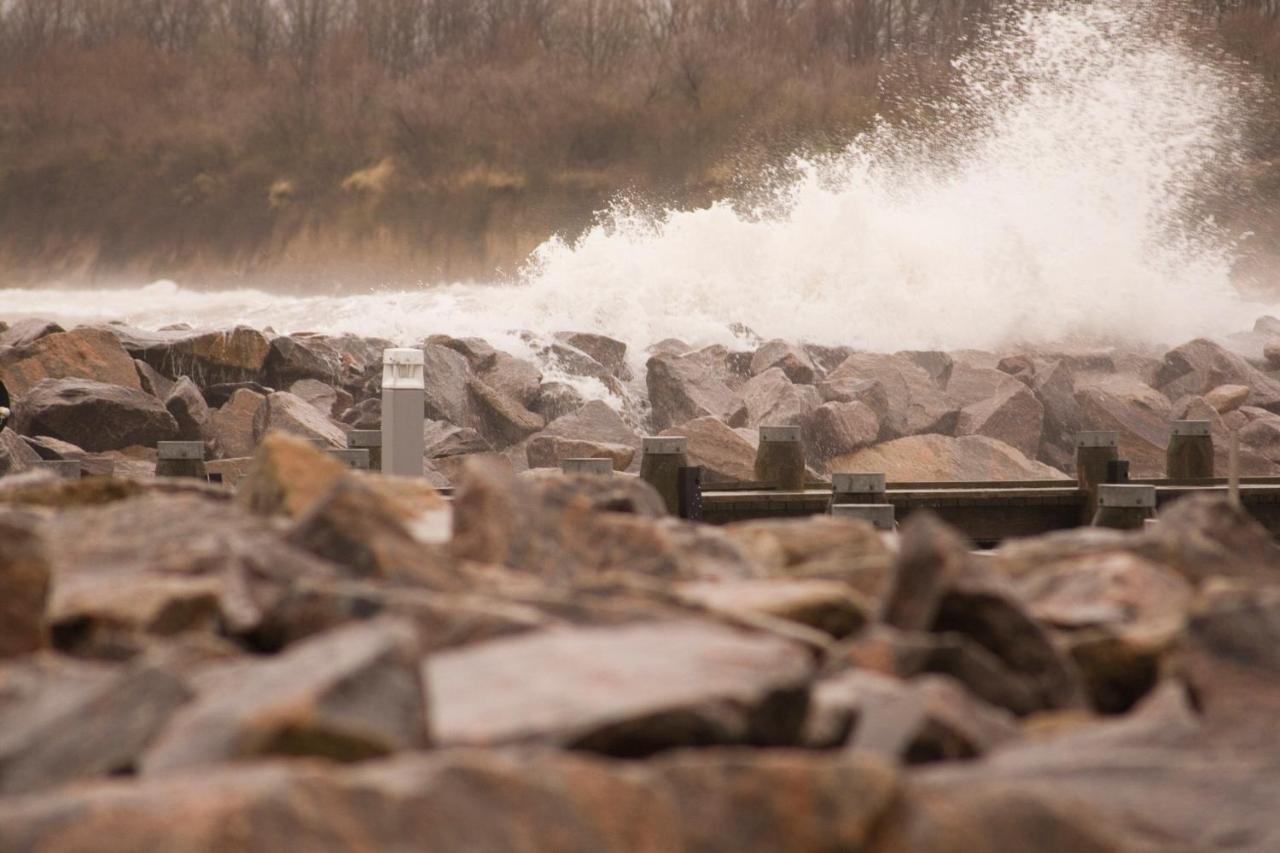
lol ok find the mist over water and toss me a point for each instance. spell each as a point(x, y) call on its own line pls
point(1052, 204)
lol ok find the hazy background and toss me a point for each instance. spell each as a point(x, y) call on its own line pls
point(317, 145)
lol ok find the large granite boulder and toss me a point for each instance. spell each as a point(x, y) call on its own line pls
point(940, 458)
point(1200, 366)
point(90, 354)
point(94, 415)
point(686, 387)
point(285, 412)
point(916, 405)
point(208, 357)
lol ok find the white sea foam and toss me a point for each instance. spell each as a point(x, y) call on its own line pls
point(1055, 207)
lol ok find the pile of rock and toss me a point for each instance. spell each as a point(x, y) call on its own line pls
point(325, 659)
point(107, 394)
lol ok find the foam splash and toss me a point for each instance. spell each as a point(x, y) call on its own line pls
point(1054, 206)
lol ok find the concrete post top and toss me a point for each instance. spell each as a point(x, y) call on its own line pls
point(180, 450)
point(858, 484)
point(1192, 428)
point(780, 433)
point(665, 445)
point(881, 516)
point(364, 438)
point(1127, 495)
point(587, 467)
point(402, 369)
point(1097, 439)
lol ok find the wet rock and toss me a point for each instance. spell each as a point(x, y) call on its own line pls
point(1201, 365)
point(916, 405)
point(939, 365)
point(150, 380)
point(561, 528)
point(325, 399)
point(219, 394)
point(25, 332)
point(480, 355)
point(548, 451)
point(16, 455)
point(441, 440)
point(285, 412)
point(724, 455)
point(62, 720)
point(446, 373)
point(366, 532)
point(683, 388)
point(1201, 536)
point(1271, 352)
point(610, 353)
point(209, 358)
point(1013, 415)
point(596, 422)
point(1020, 367)
point(367, 414)
point(502, 420)
point(347, 695)
point(1138, 412)
point(926, 720)
point(792, 360)
point(1227, 398)
point(93, 415)
point(52, 448)
point(936, 458)
point(1055, 389)
point(24, 585)
point(87, 354)
point(837, 429)
point(625, 691)
point(293, 359)
point(514, 378)
point(557, 399)
point(230, 429)
point(829, 606)
point(189, 410)
point(771, 399)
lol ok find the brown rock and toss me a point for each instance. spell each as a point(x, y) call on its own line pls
point(24, 585)
point(939, 365)
point(287, 477)
point(837, 429)
point(27, 331)
point(929, 719)
point(793, 361)
point(16, 455)
point(62, 720)
point(931, 557)
point(687, 387)
point(610, 353)
point(625, 691)
point(597, 422)
point(829, 606)
point(1138, 412)
point(847, 550)
point(724, 455)
point(771, 399)
point(1271, 352)
point(557, 399)
point(284, 412)
point(365, 531)
point(1013, 416)
point(151, 381)
point(347, 695)
point(231, 428)
point(1055, 389)
point(189, 410)
point(936, 458)
point(1227, 398)
point(88, 354)
point(548, 451)
point(292, 359)
point(446, 373)
point(916, 404)
point(209, 358)
point(563, 528)
point(93, 415)
point(514, 378)
point(502, 421)
point(325, 399)
point(1201, 365)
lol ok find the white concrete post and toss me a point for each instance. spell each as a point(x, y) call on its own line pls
point(403, 392)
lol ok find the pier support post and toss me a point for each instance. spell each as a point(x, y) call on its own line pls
point(1190, 454)
point(181, 459)
point(370, 440)
point(1125, 507)
point(357, 459)
point(663, 457)
point(780, 459)
point(1093, 451)
point(857, 489)
point(881, 516)
point(403, 393)
point(587, 467)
